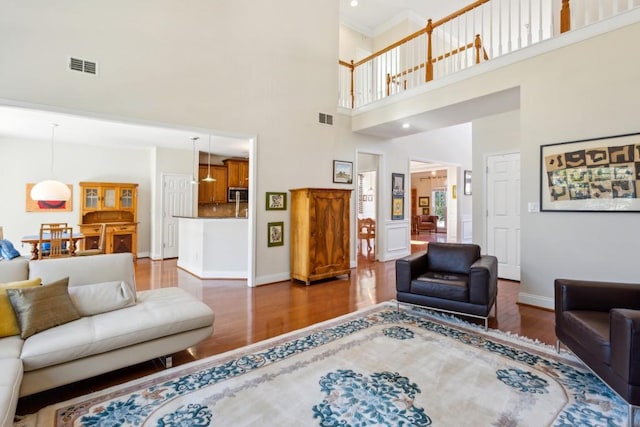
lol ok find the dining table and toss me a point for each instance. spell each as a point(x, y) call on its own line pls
point(34, 240)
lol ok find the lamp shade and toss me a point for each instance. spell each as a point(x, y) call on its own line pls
point(50, 190)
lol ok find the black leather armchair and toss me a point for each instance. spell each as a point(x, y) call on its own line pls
point(600, 323)
point(450, 277)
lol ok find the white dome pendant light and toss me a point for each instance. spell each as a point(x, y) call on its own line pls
point(51, 190)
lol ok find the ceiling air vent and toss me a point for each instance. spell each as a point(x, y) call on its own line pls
point(326, 119)
point(81, 65)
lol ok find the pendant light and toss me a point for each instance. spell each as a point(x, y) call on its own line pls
point(209, 178)
point(51, 190)
point(194, 178)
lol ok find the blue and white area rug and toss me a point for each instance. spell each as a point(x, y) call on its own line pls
point(377, 367)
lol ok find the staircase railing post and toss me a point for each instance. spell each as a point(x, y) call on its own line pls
point(565, 17)
point(478, 45)
point(429, 65)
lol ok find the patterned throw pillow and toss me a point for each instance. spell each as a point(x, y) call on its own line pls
point(8, 322)
point(41, 308)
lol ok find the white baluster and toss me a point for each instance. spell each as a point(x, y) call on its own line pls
point(540, 22)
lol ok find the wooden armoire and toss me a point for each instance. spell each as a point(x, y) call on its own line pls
point(320, 246)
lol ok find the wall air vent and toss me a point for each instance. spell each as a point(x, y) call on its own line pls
point(83, 66)
point(326, 119)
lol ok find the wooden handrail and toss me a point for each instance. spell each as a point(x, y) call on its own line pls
point(460, 12)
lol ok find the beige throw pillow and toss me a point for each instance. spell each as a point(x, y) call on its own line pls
point(8, 322)
point(101, 297)
point(41, 308)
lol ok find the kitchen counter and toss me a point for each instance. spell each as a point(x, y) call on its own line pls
point(214, 248)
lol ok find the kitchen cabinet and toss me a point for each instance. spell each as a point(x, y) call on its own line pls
point(216, 191)
point(320, 233)
point(237, 173)
point(114, 204)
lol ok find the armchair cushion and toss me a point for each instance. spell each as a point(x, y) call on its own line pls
point(442, 285)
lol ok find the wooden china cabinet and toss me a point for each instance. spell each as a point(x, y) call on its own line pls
point(116, 205)
point(320, 246)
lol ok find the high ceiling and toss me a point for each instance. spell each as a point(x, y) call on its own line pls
point(369, 17)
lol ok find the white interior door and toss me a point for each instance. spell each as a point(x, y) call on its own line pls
point(176, 201)
point(503, 213)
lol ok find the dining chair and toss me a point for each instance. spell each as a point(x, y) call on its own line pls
point(100, 249)
point(59, 240)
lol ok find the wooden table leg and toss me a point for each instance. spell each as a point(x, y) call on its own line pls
point(34, 251)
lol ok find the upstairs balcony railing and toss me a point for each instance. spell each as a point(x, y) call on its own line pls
point(483, 30)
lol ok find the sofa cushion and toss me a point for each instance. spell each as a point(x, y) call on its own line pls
point(442, 285)
point(15, 269)
point(452, 257)
point(8, 322)
point(41, 308)
point(158, 313)
point(10, 380)
point(86, 270)
point(590, 327)
point(10, 347)
point(101, 297)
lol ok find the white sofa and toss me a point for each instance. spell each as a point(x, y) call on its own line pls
point(161, 322)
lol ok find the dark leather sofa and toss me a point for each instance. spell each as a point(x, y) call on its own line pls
point(451, 277)
point(600, 323)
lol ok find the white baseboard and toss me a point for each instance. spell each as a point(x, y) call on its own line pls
point(272, 278)
point(536, 300)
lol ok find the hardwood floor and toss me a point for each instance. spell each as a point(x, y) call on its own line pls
point(247, 315)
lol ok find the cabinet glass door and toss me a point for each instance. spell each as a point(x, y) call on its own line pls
point(109, 198)
point(91, 198)
point(126, 198)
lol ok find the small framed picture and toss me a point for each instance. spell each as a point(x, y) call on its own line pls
point(423, 202)
point(342, 172)
point(397, 184)
point(467, 183)
point(276, 201)
point(397, 207)
point(275, 234)
point(425, 211)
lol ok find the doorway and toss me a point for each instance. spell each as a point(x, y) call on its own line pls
point(439, 197)
point(367, 207)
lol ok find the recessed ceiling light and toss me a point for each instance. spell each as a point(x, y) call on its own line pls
point(406, 126)
point(354, 3)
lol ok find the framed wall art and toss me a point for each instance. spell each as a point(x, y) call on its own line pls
point(397, 207)
point(275, 234)
point(397, 184)
point(342, 172)
point(423, 202)
point(591, 175)
point(276, 201)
